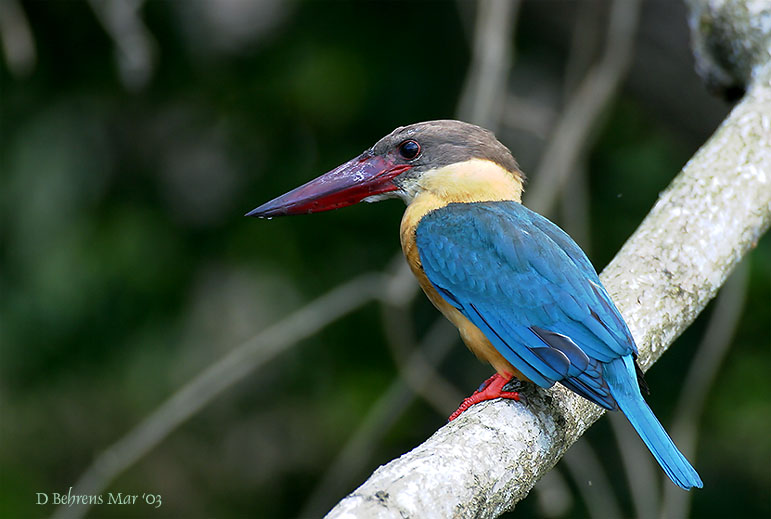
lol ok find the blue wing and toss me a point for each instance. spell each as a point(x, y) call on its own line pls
point(530, 289)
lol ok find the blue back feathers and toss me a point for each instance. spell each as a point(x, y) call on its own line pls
point(534, 294)
point(529, 288)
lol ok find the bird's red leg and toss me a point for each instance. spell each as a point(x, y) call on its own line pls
point(492, 388)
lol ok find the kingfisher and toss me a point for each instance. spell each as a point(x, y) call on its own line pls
point(523, 295)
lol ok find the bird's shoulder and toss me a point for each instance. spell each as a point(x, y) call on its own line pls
point(504, 235)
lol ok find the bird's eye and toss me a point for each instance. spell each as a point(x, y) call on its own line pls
point(409, 149)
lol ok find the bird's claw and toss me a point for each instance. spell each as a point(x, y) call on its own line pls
point(497, 386)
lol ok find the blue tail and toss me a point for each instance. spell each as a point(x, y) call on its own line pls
point(622, 379)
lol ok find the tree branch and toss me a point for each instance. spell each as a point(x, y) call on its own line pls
point(715, 210)
point(731, 42)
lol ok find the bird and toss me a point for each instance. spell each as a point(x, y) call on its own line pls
point(523, 295)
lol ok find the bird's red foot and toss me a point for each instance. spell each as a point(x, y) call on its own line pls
point(494, 387)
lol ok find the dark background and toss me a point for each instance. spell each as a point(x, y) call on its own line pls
point(126, 266)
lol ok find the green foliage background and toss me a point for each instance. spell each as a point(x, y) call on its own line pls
point(126, 266)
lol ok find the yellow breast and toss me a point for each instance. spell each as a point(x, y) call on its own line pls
point(472, 181)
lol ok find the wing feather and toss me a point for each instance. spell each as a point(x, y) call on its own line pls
point(529, 288)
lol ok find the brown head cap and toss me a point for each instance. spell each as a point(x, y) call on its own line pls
point(445, 142)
